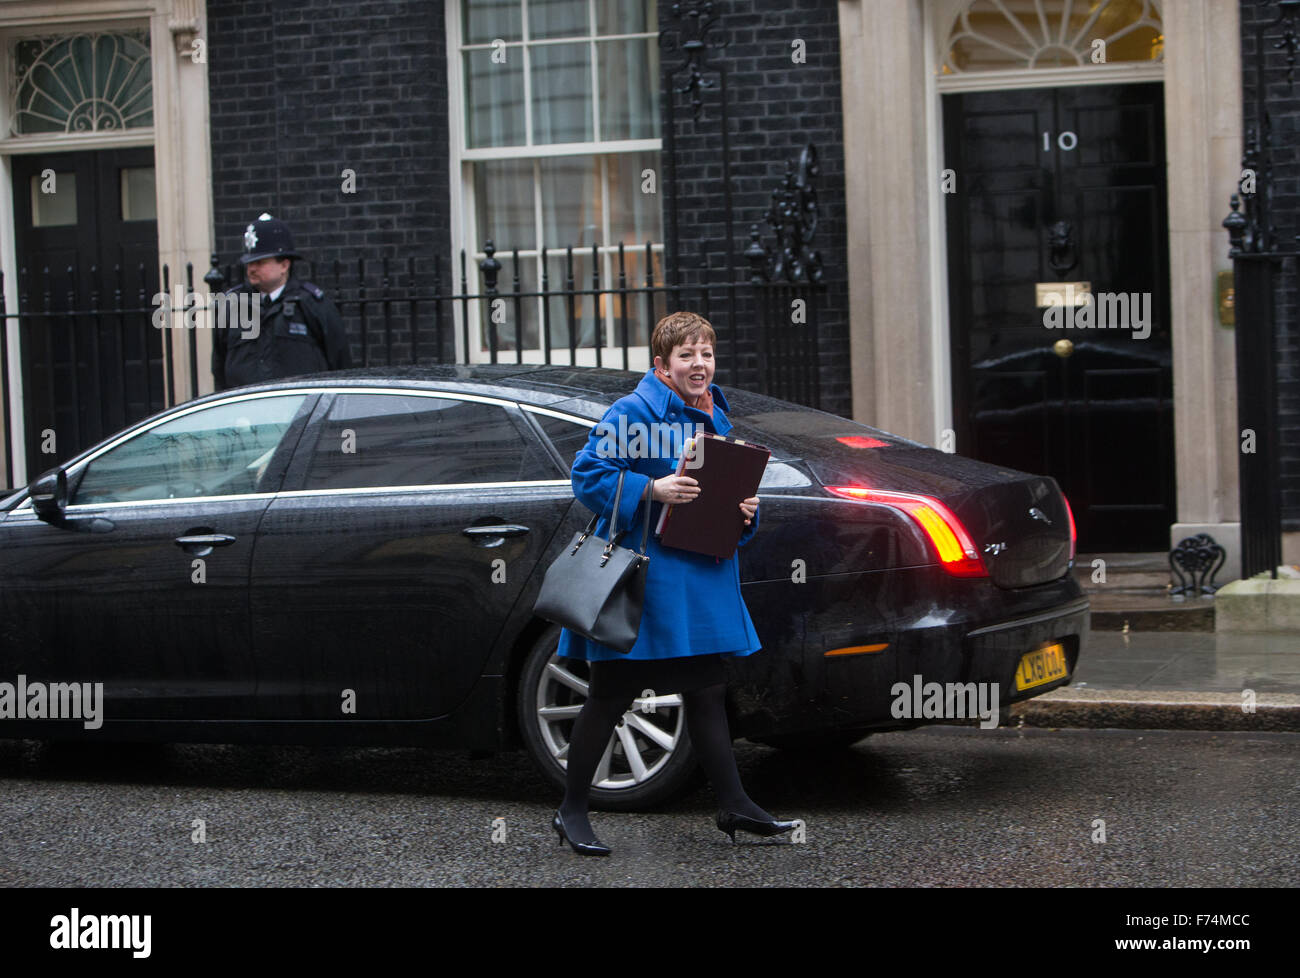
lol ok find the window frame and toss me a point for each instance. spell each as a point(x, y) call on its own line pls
point(464, 211)
point(531, 411)
point(300, 457)
point(268, 468)
point(76, 468)
point(295, 476)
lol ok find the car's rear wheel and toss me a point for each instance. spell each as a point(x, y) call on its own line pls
point(821, 740)
point(648, 760)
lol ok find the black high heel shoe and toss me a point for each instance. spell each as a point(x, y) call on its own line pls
point(729, 822)
point(582, 848)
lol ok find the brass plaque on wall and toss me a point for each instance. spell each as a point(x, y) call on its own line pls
point(1227, 298)
point(1062, 294)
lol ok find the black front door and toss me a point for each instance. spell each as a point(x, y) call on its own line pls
point(1055, 186)
point(87, 238)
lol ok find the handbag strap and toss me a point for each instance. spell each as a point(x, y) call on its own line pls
point(645, 521)
point(613, 519)
point(645, 529)
point(618, 495)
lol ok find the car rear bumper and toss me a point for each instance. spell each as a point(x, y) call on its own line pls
point(993, 653)
point(929, 630)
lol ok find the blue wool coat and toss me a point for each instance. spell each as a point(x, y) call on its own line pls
point(692, 601)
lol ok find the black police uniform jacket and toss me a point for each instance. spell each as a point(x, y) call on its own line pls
point(300, 332)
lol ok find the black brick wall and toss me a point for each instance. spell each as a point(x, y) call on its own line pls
point(1284, 110)
point(775, 107)
point(299, 92)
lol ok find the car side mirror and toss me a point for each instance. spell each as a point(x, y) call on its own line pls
point(49, 494)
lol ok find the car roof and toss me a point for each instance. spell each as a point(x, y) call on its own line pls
point(538, 384)
point(580, 391)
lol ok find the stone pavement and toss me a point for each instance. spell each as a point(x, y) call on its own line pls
point(1177, 680)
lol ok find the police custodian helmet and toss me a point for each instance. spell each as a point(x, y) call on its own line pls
point(267, 237)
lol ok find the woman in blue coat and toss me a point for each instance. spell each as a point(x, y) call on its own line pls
point(694, 614)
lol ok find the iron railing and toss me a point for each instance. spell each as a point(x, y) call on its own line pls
point(1257, 256)
point(397, 313)
point(90, 367)
point(91, 360)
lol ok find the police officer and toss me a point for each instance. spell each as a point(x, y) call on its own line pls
point(299, 331)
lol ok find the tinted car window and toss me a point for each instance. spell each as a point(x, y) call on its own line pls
point(218, 451)
point(567, 437)
point(374, 440)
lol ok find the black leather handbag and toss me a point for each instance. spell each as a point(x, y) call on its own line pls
point(597, 588)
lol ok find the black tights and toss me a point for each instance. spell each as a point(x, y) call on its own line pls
point(706, 722)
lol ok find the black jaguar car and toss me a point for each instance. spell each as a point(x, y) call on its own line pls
point(353, 557)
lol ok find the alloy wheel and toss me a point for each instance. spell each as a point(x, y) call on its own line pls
point(642, 744)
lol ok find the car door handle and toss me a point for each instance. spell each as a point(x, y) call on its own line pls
point(501, 530)
point(201, 544)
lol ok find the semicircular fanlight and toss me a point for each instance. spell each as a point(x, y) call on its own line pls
point(82, 83)
point(1000, 35)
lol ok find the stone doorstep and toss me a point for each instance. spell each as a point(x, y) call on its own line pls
point(1136, 581)
point(1148, 573)
point(1155, 620)
point(1259, 604)
point(1147, 709)
point(1151, 610)
point(1155, 560)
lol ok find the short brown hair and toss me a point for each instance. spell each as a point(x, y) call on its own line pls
point(675, 329)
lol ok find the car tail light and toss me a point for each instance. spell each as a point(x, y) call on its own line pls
point(862, 441)
point(1074, 534)
point(951, 542)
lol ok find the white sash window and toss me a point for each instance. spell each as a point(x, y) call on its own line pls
point(556, 142)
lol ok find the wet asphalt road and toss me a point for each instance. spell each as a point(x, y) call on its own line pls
point(949, 806)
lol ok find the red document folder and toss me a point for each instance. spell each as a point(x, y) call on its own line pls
point(728, 471)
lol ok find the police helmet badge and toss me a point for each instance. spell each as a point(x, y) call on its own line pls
point(267, 237)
